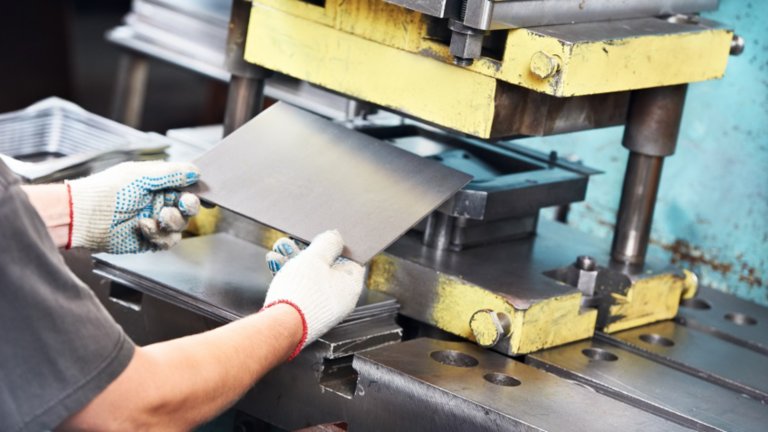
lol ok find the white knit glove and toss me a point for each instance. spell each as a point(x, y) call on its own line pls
point(322, 287)
point(132, 207)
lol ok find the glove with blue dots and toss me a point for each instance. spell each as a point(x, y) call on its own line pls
point(132, 207)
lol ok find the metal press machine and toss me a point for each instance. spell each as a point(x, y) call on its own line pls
point(500, 311)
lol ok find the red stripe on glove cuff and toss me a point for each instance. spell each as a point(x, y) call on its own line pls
point(71, 217)
point(304, 330)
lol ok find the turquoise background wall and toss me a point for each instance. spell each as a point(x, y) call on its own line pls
point(712, 211)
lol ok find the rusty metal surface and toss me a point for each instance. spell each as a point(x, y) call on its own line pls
point(302, 174)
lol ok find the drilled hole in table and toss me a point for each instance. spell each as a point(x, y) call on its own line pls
point(501, 379)
point(696, 303)
point(454, 358)
point(656, 339)
point(740, 319)
point(599, 354)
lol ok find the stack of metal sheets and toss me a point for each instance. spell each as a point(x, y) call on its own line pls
point(55, 139)
point(196, 28)
point(218, 276)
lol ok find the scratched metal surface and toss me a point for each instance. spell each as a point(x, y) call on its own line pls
point(712, 212)
point(302, 174)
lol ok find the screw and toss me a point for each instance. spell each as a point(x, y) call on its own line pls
point(544, 65)
point(586, 263)
point(489, 327)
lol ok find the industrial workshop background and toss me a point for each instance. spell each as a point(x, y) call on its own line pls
point(712, 210)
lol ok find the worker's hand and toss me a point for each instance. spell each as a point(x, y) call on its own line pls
point(132, 207)
point(322, 287)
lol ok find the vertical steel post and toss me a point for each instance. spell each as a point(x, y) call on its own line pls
point(650, 135)
point(130, 89)
point(246, 85)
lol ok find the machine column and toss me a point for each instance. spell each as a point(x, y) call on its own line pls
point(130, 89)
point(246, 86)
point(650, 135)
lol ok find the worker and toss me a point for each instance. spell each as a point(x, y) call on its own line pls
point(65, 364)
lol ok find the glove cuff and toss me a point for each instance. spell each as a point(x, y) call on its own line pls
point(91, 212)
point(304, 329)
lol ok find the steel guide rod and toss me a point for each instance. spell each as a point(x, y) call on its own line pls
point(246, 86)
point(650, 135)
point(130, 89)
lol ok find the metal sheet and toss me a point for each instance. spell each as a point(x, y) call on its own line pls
point(55, 139)
point(218, 276)
point(667, 392)
point(224, 277)
point(727, 317)
point(530, 13)
point(700, 354)
point(513, 14)
point(409, 386)
point(302, 174)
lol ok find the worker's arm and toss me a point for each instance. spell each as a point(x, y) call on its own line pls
point(52, 204)
point(131, 207)
point(179, 384)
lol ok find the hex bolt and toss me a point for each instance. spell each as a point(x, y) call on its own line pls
point(489, 327)
point(586, 263)
point(544, 65)
point(466, 43)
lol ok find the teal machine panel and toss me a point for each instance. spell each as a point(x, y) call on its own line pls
point(712, 211)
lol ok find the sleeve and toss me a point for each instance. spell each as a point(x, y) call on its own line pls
point(60, 347)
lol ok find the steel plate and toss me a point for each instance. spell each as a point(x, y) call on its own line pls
point(699, 353)
point(654, 387)
point(302, 174)
point(727, 317)
point(431, 385)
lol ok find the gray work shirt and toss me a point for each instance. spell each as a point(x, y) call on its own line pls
point(59, 347)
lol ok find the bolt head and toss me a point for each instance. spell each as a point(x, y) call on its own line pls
point(544, 65)
point(586, 262)
point(489, 327)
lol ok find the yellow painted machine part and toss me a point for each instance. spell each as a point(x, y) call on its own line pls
point(412, 84)
point(586, 67)
point(205, 222)
point(555, 322)
point(608, 66)
point(546, 324)
point(649, 300)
